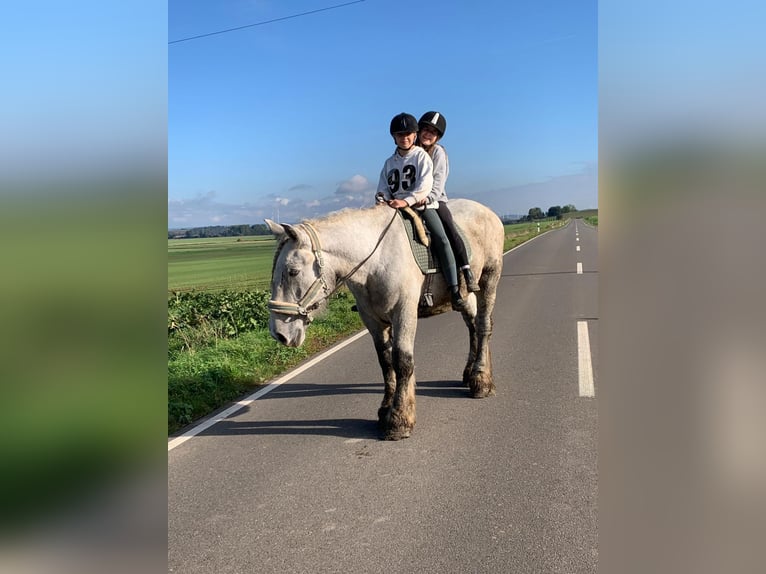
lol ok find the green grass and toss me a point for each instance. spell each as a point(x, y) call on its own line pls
point(208, 367)
point(218, 263)
point(518, 233)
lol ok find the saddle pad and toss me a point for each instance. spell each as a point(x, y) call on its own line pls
point(424, 256)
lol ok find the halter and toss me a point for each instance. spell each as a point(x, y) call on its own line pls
point(312, 299)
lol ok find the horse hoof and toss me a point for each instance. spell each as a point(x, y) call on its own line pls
point(481, 386)
point(397, 434)
point(482, 392)
point(384, 417)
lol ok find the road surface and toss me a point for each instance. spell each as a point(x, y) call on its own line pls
point(297, 480)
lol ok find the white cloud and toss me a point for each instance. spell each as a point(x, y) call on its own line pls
point(355, 185)
point(354, 192)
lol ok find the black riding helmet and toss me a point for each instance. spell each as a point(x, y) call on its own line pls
point(403, 123)
point(434, 120)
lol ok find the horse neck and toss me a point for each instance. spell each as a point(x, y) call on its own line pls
point(347, 241)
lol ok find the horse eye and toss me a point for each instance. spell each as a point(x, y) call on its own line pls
point(294, 272)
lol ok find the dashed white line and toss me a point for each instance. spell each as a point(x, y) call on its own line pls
point(584, 363)
point(578, 248)
point(579, 268)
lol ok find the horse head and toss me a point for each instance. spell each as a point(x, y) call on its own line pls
point(299, 287)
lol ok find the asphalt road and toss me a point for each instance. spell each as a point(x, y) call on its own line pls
point(298, 481)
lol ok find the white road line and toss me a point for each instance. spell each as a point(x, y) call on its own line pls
point(584, 364)
point(578, 248)
point(577, 239)
point(579, 268)
point(258, 394)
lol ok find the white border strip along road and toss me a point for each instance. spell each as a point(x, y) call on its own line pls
point(259, 393)
point(584, 363)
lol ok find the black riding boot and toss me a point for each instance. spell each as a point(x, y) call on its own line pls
point(458, 303)
point(470, 280)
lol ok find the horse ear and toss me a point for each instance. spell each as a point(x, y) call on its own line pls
point(275, 228)
point(281, 229)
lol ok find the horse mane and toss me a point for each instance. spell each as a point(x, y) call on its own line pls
point(340, 215)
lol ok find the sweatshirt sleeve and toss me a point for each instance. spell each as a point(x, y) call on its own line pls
point(441, 173)
point(383, 184)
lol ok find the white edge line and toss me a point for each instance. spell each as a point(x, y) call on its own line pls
point(584, 363)
point(531, 240)
point(173, 443)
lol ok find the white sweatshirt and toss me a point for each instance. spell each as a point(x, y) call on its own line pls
point(408, 177)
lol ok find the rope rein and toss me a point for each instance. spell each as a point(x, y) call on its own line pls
point(374, 249)
point(308, 302)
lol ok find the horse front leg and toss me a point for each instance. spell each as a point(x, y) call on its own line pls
point(382, 340)
point(398, 421)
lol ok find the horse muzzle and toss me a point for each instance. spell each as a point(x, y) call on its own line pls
point(290, 334)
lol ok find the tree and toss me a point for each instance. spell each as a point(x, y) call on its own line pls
point(568, 208)
point(535, 213)
point(555, 211)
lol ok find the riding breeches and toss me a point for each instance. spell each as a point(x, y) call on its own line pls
point(441, 246)
point(458, 247)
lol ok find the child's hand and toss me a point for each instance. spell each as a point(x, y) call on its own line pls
point(397, 203)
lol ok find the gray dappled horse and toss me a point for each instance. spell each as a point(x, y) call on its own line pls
point(368, 250)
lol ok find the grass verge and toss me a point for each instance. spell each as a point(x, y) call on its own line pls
point(208, 367)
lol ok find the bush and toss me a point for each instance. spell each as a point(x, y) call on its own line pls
point(223, 314)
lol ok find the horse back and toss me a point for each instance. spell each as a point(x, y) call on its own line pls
point(483, 229)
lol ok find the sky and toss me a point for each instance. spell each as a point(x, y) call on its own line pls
point(288, 119)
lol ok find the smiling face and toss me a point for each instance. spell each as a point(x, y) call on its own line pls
point(405, 140)
point(428, 136)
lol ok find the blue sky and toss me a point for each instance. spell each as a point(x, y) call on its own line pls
point(293, 115)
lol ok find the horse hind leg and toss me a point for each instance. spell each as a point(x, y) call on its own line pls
point(477, 374)
point(473, 344)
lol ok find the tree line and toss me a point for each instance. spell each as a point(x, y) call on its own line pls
point(555, 211)
point(219, 231)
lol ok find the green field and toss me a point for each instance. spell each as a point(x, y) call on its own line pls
point(217, 263)
point(244, 263)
